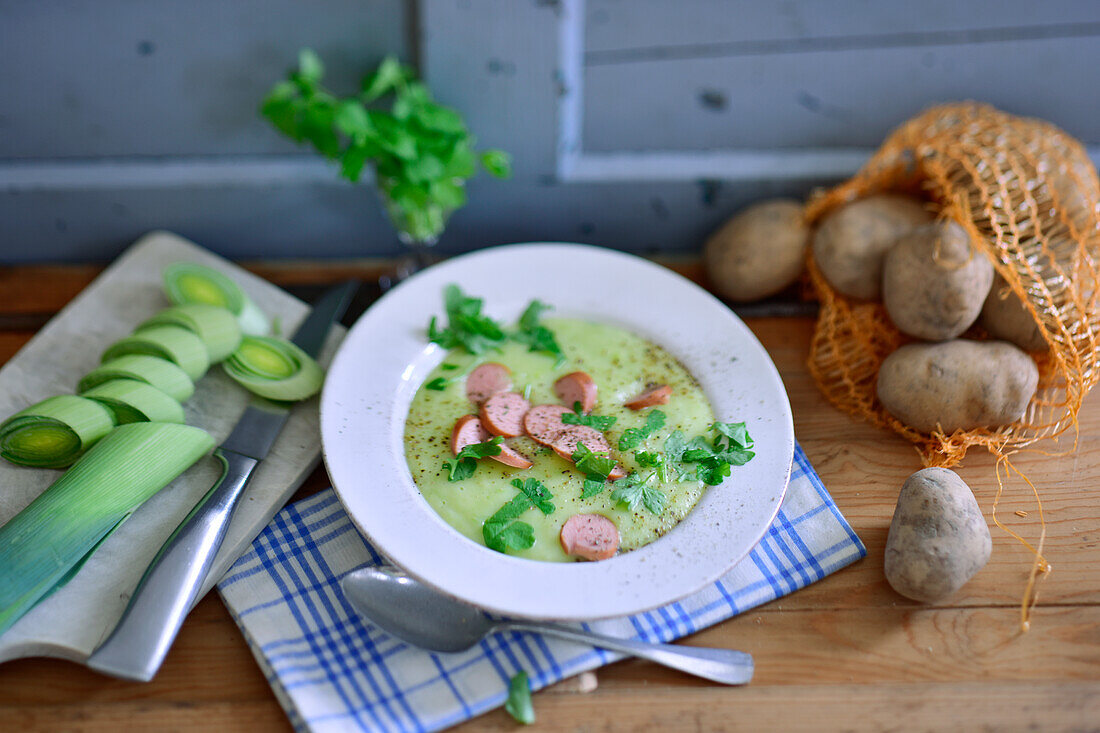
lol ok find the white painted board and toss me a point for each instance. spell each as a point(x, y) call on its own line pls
point(71, 622)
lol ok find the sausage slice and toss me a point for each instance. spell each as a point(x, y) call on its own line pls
point(577, 387)
point(509, 456)
point(486, 380)
point(543, 422)
point(590, 537)
point(573, 435)
point(467, 431)
point(654, 396)
point(503, 413)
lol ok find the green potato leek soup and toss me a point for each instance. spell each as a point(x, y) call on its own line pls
point(615, 473)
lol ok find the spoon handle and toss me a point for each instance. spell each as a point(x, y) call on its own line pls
point(727, 666)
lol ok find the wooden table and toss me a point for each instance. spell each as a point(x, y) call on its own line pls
point(844, 653)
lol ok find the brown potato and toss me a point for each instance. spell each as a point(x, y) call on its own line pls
point(1006, 317)
point(957, 385)
point(850, 242)
point(758, 252)
point(934, 282)
point(938, 537)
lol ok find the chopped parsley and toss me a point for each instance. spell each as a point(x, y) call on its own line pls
point(438, 384)
point(448, 367)
point(596, 467)
point(466, 325)
point(466, 461)
point(503, 531)
point(536, 336)
point(635, 490)
point(633, 437)
point(602, 423)
point(518, 703)
point(713, 458)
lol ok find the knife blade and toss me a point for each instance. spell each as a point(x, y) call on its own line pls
point(139, 642)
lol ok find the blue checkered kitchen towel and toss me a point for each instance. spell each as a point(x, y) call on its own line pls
point(334, 672)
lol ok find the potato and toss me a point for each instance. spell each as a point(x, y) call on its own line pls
point(850, 242)
point(758, 252)
point(1006, 317)
point(934, 282)
point(938, 538)
point(957, 385)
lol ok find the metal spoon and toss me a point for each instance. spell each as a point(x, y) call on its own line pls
point(424, 618)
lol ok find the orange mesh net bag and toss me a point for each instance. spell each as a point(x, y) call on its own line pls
point(1027, 195)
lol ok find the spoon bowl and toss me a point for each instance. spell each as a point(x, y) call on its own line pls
point(412, 612)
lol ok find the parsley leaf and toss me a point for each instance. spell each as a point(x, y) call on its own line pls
point(503, 531)
point(634, 491)
point(735, 432)
point(600, 422)
point(646, 459)
point(466, 325)
point(448, 367)
point(536, 336)
point(466, 461)
point(438, 384)
point(593, 485)
point(589, 463)
point(633, 437)
point(675, 445)
point(539, 495)
point(519, 704)
point(729, 447)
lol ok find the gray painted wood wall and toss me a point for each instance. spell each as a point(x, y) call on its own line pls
point(638, 124)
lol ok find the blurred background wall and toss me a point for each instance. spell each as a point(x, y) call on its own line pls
point(638, 124)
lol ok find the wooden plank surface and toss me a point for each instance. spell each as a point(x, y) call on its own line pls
point(844, 653)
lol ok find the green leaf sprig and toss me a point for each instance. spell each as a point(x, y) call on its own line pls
point(421, 151)
point(538, 338)
point(503, 531)
point(730, 446)
point(596, 467)
point(466, 325)
point(633, 437)
point(466, 461)
point(635, 490)
point(602, 423)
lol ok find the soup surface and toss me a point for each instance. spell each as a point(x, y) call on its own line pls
point(622, 364)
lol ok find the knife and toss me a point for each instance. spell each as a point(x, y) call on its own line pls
point(141, 639)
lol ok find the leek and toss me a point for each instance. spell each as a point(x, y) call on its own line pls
point(132, 401)
point(217, 327)
point(162, 374)
point(173, 343)
point(54, 432)
point(44, 545)
point(274, 368)
point(186, 282)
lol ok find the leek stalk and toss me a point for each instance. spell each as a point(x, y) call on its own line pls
point(133, 401)
point(54, 432)
point(173, 343)
point(217, 327)
point(274, 368)
point(187, 282)
point(44, 545)
point(162, 374)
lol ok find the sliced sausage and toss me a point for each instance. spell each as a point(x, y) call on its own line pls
point(565, 445)
point(577, 387)
point(503, 413)
point(467, 431)
point(653, 396)
point(486, 380)
point(509, 456)
point(590, 537)
point(616, 473)
point(543, 422)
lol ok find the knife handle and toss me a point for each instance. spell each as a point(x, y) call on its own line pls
point(141, 639)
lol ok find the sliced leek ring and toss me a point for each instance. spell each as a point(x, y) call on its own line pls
point(54, 432)
point(274, 368)
point(161, 373)
point(176, 344)
point(217, 327)
point(187, 282)
point(132, 401)
point(46, 543)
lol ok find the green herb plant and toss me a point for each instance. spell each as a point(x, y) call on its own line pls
point(504, 531)
point(422, 151)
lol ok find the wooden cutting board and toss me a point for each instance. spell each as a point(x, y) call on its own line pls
point(71, 622)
